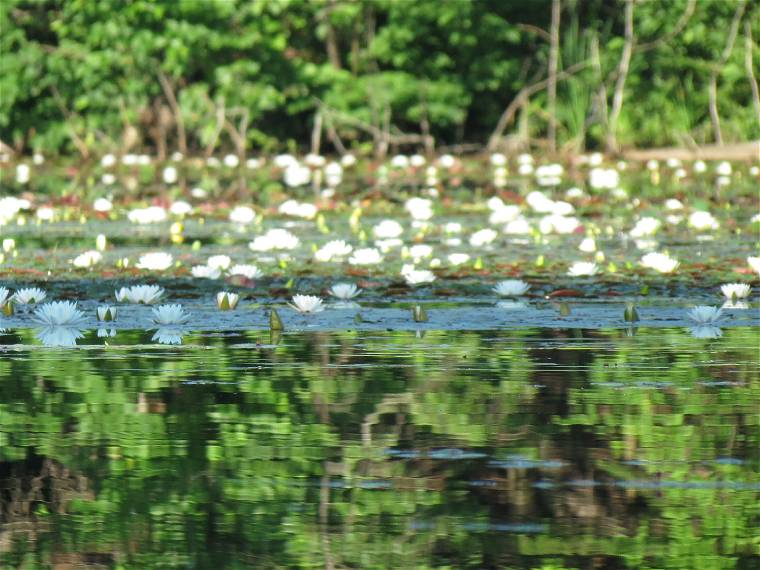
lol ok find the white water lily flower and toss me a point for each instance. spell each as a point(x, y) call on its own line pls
point(511, 288)
point(387, 229)
point(504, 214)
point(588, 245)
point(498, 159)
point(247, 271)
point(417, 276)
point(701, 220)
point(419, 208)
point(275, 239)
point(644, 227)
point(106, 313)
point(59, 313)
point(142, 294)
point(735, 290)
point(45, 213)
point(307, 304)
point(298, 209)
point(4, 292)
point(231, 161)
point(148, 215)
point(221, 262)
point(106, 333)
point(227, 301)
point(333, 249)
point(315, 160)
point(205, 272)
point(420, 251)
point(102, 205)
point(23, 173)
point(660, 262)
point(723, 168)
point(180, 208)
point(520, 226)
point(344, 291)
point(108, 160)
point(754, 263)
point(29, 296)
point(483, 237)
point(87, 259)
point(169, 315)
point(604, 178)
point(555, 223)
point(400, 161)
point(539, 202)
point(704, 315)
point(296, 175)
point(155, 261)
point(673, 204)
point(457, 258)
point(583, 268)
point(242, 215)
point(170, 175)
point(366, 256)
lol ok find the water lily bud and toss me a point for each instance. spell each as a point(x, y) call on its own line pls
point(227, 301)
point(419, 314)
point(106, 313)
point(322, 224)
point(100, 242)
point(353, 221)
point(564, 309)
point(275, 322)
point(630, 314)
point(8, 308)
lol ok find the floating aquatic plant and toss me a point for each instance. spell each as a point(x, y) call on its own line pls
point(140, 294)
point(155, 261)
point(170, 315)
point(735, 291)
point(344, 291)
point(106, 313)
point(227, 301)
point(307, 304)
point(29, 296)
point(511, 288)
point(59, 313)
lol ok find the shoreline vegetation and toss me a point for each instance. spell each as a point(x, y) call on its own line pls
point(378, 78)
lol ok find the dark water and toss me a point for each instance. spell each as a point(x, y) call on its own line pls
point(529, 448)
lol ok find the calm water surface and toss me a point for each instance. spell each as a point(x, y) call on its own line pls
point(525, 448)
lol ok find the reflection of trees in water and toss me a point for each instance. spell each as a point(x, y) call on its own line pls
point(279, 455)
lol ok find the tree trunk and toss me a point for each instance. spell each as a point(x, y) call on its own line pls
point(551, 86)
point(623, 67)
point(718, 67)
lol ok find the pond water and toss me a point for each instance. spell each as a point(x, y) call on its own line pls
point(538, 431)
point(521, 448)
